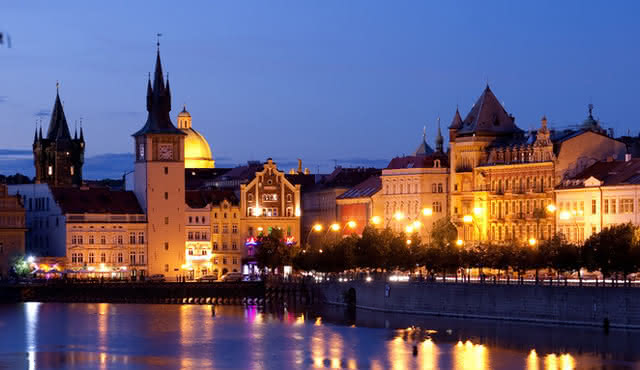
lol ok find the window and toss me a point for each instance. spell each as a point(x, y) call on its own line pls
point(120, 240)
point(166, 220)
point(269, 197)
point(289, 212)
point(132, 258)
point(289, 198)
point(606, 206)
point(132, 238)
point(439, 188)
point(140, 238)
point(215, 260)
point(166, 268)
point(91, 239)
point(203, 252)
point(250, 197)
point(593, 207)
point(166, 170)
point(103, 239)
point(190, 235)
point(74, 257)
point(235, 260)
point(234, 245)
point(224, 246)
point(50, 170)
point(166, 195)
point(190, 219)
point(197, 235)
point(215, 246)
point(626, 205)
point(166, 246)
point(80, 258)
point(141, 258)
point(190, 251)
point(197, 219)
point(103, 257)
point(614, 202)
point(120, 257)
point(234, 229)
point(224, 260)
point(433, 188)
point(225, 228)
point(215, 229)
point(74, 239)
point(80, 241)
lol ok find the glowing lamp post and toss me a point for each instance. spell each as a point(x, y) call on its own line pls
point(376, 220)
point(533, 242)
point(427, 212)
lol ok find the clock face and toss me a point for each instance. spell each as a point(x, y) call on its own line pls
point(141, 151)
point(165, 151)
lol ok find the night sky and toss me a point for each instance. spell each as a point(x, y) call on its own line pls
point(353, 81)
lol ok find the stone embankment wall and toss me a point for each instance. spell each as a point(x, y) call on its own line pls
point(593, 306)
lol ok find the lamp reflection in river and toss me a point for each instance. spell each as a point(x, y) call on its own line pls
point(429, 354)
point(564, 362)
point(532, 360)
point(470, 356)
point(398, 354)
point(31, 316)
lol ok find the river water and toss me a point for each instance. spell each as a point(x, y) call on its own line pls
point(135, 336)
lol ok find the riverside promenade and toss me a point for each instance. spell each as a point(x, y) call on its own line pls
point(570, 305)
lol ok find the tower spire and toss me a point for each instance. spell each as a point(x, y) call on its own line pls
point(439, 140)
point(35, 136)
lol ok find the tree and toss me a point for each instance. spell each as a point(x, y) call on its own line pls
point(613, 250)
point(273, 252)
point(444, 232)
point(19, 266)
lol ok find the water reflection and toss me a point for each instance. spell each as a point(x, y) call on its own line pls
point(189, 336)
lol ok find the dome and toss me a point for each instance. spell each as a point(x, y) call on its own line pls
point(197, 152)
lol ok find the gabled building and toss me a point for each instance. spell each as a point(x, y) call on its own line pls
point(502, 179)
point(359, 205)
point(604, 194)
point(58, 158)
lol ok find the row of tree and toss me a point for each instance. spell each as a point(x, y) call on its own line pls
point(614, 252)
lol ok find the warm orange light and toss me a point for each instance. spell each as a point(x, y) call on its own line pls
point(416, 224)
point(459, 242)
point(551, 208)
point(427, 211)
point(467, 219)
point(409, 229)
point(351, 224)
point(376, 220)
point(317, 227)
point(478, 211)
point(564, 215)
point(260, 228)
point(320, 250)
point(532, 241)
point(335, 227)
point(408, 241)
point(398, 216)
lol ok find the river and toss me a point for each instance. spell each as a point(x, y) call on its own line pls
point(135, 336)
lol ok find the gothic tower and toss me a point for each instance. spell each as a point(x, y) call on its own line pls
point(159, 179)
point(58, 158)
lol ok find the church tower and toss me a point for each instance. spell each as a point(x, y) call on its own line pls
point(57, 157)
point(159, 179)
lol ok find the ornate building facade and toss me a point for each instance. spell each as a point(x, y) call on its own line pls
point(502, 179)
point(58, 158)
point(269, 201)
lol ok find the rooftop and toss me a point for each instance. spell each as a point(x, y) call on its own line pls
point(96, 200)
point(366, 188)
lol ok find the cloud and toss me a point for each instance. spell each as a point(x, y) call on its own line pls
point(3, 99)
point(15, 152)
point(42, 113)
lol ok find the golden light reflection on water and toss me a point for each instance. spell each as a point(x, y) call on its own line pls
point(398, 354)
point(317, 349)
point(562, 362)
point(470, 356)
point(429, 354)
point(533, 363)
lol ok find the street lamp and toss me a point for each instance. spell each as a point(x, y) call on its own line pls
point(533, 242)
point(459, 242)
point(551, 208)
point(399, 216)
point(408, 241)
point(564, 215)
point(427, 211)
point(351, 224)
point(335, 227)
point(409, 229)
point(376, 220)
point(467, 219)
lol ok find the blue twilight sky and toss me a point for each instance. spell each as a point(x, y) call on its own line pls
point(318, 80)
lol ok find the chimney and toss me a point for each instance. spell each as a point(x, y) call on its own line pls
point(299, 165)
point(627, 157)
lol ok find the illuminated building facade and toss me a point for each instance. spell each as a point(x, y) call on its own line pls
point(105, 232)
point(58, 158)
point(502, 179)
point(214, 242)
point(604, 194)
point(269, 201)
point(12, 229)
point(415, 192)
point(159, 180)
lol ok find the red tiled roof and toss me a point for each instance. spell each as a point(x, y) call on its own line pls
point(96, 200)
point(201, 198)
point(418, 161)
point(609, 173)
point(364, 189)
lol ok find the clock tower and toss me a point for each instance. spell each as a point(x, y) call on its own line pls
point(159, 179)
